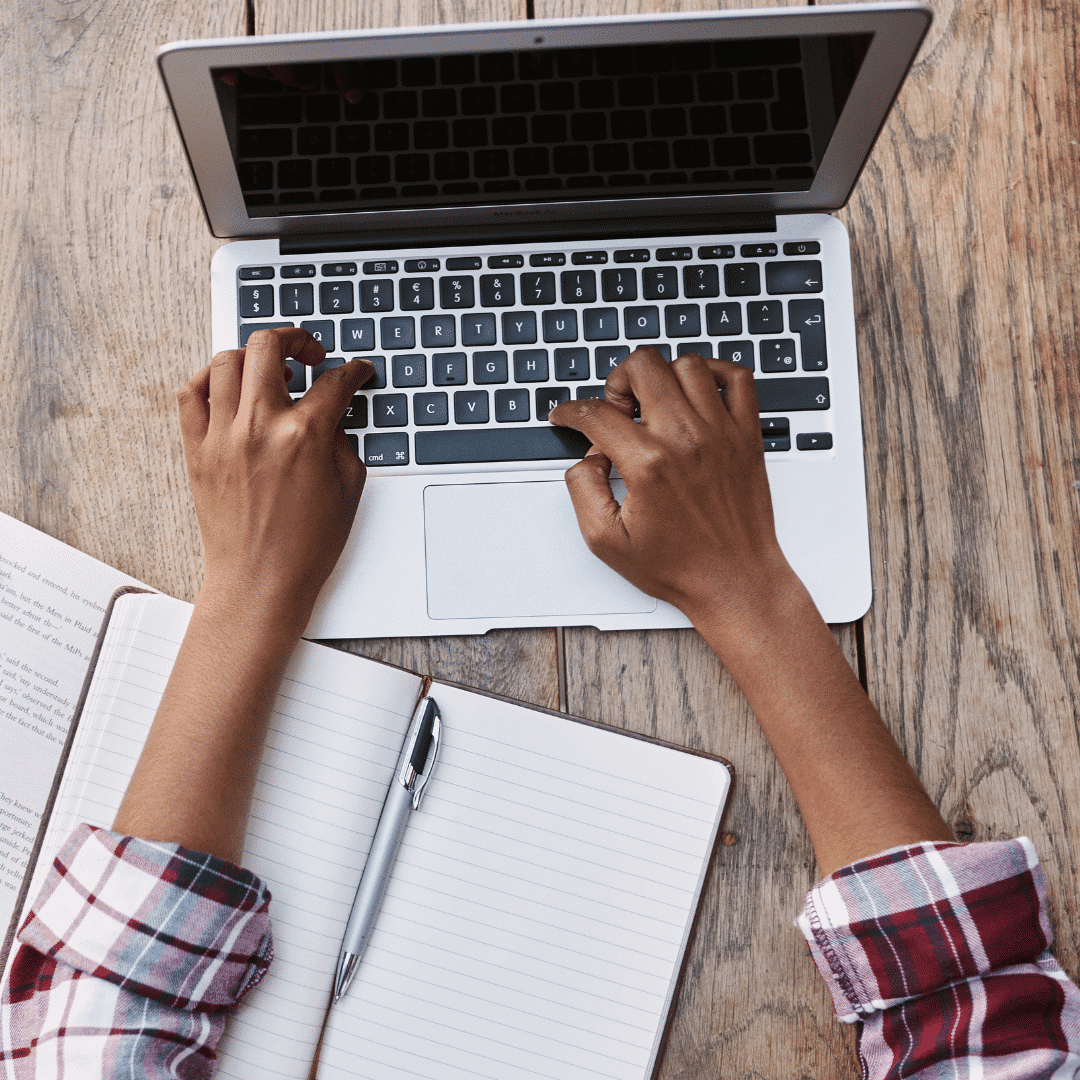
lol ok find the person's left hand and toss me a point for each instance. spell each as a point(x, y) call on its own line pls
point(275, 482)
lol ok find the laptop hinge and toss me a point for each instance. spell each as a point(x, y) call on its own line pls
point(607, 229)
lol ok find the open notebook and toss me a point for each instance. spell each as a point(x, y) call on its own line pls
point(542, 901)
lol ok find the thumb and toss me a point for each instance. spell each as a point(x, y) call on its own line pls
point(598, 513)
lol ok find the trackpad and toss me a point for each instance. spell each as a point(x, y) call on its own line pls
point(514, 550)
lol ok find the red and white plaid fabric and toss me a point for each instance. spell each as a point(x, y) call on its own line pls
point(130, 959)
point(942, 953)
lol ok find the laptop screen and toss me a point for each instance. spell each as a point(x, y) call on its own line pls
point(461, 129)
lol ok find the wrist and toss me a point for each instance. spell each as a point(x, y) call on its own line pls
point(259, 618)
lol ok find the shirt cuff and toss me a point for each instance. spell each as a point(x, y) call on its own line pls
point(181, 927)
point(913, 919)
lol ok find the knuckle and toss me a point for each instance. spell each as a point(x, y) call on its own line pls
point(226, 356)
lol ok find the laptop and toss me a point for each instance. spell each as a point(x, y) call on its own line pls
point(495, 215)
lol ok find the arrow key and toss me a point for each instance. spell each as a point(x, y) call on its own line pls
point(797, 276)
point(814, 440)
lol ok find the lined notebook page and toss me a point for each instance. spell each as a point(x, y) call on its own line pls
point(329, 758)
point(541, 902)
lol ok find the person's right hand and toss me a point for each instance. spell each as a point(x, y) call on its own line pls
point(696, 527)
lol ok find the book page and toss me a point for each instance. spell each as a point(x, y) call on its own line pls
point(335, 734)
point(52, 598)
point(539, 908)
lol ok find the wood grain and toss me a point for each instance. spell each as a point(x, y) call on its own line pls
point(292, 16)
point(104, 262)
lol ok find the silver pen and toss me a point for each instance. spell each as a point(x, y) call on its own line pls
point(414, 767)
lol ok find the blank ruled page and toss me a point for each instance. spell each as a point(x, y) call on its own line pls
point(329, 758)
point(539, 909)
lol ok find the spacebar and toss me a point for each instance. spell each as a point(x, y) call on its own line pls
point(499, 444)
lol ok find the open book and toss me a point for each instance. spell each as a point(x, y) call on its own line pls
point(541, 903)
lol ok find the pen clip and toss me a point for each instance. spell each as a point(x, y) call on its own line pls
point(412, 779)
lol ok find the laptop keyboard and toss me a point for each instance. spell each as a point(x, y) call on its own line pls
point(471, 352)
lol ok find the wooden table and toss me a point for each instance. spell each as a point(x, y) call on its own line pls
point(965, 228)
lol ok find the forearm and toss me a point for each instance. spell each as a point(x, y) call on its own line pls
point(856, 791)
point(193, 782)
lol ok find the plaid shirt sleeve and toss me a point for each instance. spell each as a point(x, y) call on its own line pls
point(941, 952)
point(129, 961)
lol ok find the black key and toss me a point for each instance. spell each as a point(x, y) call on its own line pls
point(505, 262)
point(469, 263)
point(608, 358)
point(377, 296)
point(388, 449)
point(641, 322)
point(355, 413)
point(578, 286)
point(342, 269)
point(297, 299)
point(799, 394)
point(452, 447)
point(410, 369)
point(257, 301)
point(456, 292)
point(775, 425)
point(322, 330)
point(449, 369)
point(802, 247)
point(357, 335)
point(511, 406)
point(571, 364)
point(560, 325)
point(478, 329)
point(328, 364)
point(738, 352)
point(380, 266)
point(298, 270)
point(664, 349)
point(701, 281)
point(416, 294)
point(437, 331)
point(814, 440)
point(742, 279)
point(538, 289)
point(777, 354)
point(776, 442)
point(600, 324)
point(335, 297)
point(489, 367)
point(297, 381)
point(634, 255)
point(618, 285)
point(722, 320)
point(378, 379)
point(660, 283)
point(588, 258)
point(398, 333)
point(497, 290)
point(789, 277)
point(519, 327)
point(548, 398)
point(259, 273)
point(673, 254)
point(590, 392)
point(682, 320)
point(702, 348)
point(547, 258)
point(530, 365)
point(765, 317)
point(752, 251)
point(430, 409)
point(807, 319)
point(470, 407)
point(722, 251)
point(421, 266)
point(390, 410)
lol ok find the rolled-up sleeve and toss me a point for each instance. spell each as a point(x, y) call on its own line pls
point(942, 953)
point(133, 953)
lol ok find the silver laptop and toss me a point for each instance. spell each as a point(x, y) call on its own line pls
point(495, 215)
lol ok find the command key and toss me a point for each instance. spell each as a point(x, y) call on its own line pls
point(386, 448)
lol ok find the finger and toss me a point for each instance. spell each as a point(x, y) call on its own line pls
point(598, 513)
point(264, 380)
point(226, 374)
point(646, 377)
point(740, 397)
point(700, 388)
point(351, 469)
point(193, 401)
point(332, 391)
point(612, 432)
